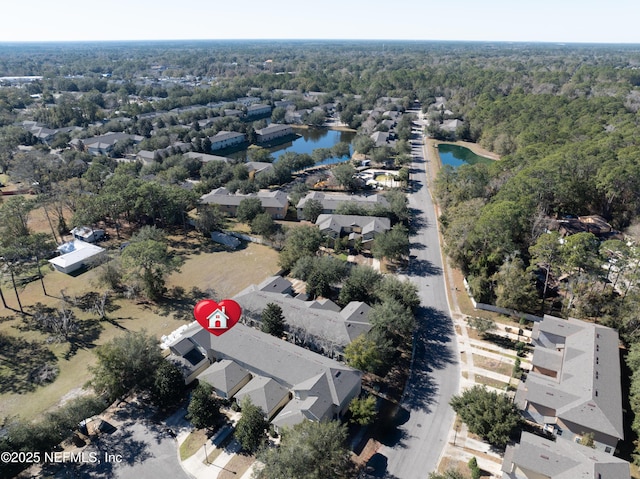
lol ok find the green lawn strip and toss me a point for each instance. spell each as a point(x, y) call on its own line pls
point(490, 382)
point(192, 443)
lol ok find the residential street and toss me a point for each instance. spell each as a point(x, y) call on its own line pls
point(422, 435)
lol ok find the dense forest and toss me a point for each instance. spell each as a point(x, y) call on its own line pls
point(564, 119)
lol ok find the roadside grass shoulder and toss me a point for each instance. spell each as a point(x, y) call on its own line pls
point(192, 443)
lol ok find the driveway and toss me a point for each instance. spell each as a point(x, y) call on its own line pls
point(425, 418)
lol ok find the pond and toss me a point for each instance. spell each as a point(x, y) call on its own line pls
point(309, 140)
point(455, 155)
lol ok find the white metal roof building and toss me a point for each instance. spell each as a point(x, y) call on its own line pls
point(77, 255)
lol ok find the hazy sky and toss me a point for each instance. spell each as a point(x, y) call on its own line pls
point(609, 21)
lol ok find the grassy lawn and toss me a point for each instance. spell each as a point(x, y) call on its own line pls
point(448, 463)
point(490, 382)
point(492, 365)
point(226, 273)
point(237, 466)
point(511, 356)
point(385, 177)
point(192, 443)
point(235, 225)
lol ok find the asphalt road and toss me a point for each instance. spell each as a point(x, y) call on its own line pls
point(426, 418)
point(137, 449)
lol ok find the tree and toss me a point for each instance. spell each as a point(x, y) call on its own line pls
point(168, 385)
point(344, 174)
point(392, 244)
point(210, 219)
point(39, 245)
point(300, 241)
point(515, 287)
point(403, 175)
point(588, 440)
point(482, 325)
point(126, 363)
point(278, 114)
point(263, 224)
point(361, 285)
point(248, 209)
point(259, 154)
point(364, 354)
point(273, 320)
point(204, 409)
point(320, 273)
point(363, 410)
point(341, 149)
point(403, 292)
point(14, 216)
point(309, 450)
point(398, 205)
point(148, 260)
point(61, 323)
point(473, 467)
point(397, 321)
point(363, 144)
point(311, 210)
point(251, 426)
point(580, 260)
point(316, 118)
point(546, 253)
point(488, 414)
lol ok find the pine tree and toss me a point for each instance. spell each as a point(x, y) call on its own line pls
point(273, 320)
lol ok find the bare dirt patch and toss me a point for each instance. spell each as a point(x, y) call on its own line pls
point(491, 364)
point(237, 466)
point(448, 463)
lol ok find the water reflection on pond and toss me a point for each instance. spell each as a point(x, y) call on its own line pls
point(309, 140)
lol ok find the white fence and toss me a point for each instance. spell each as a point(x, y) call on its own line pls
point(253, 239)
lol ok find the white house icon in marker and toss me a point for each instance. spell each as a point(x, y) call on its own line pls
point(218, 319)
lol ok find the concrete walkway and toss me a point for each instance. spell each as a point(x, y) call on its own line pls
point(196, 465)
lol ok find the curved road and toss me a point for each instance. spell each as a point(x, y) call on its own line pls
point(426, 417)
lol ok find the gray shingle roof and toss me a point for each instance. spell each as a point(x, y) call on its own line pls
point(264, 392)
point(562, 460)
point(587, 391)
point(317, 319)
point(225, 135)
point(368, 224)
point(273, 128)
point(269, 199)
point(331, 201)
point(258, 166)
point(265, 355)
point(109, 139)
point(224, 376)
point(205, 158)
point(275, 284)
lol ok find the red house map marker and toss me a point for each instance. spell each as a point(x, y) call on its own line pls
point(217, 318)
